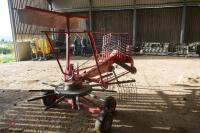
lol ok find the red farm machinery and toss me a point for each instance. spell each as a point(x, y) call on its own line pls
point(79, 82)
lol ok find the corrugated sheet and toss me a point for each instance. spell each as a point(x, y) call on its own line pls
point(193, 1)
point(63, 5)
point(157, 1)
point(86, 14)
point(113, 21)
point(24, 31)
point(159, 25)
point(193, 24)
point(111, 3)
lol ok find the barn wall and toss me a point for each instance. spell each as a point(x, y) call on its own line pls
point(192, 24)
point(159, 25)
point(152, 24)
point(24, 31)
point(113, 21)
point(64, 4)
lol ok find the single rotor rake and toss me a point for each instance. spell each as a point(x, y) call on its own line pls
point(80, 81)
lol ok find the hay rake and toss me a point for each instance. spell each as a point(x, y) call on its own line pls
point(80, 82)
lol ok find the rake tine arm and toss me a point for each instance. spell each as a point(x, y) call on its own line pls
point(41, 90)
point(119, 82)
point(119, 75)
point(116, 77)
point(107, 75)
point(37, 98)
point(53, 104)
point(52, 85)
point(103, 90)
point(122, 82)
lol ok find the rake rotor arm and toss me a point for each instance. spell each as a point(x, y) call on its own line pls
point(56, 102)
point(119, 82)
point(38, 98)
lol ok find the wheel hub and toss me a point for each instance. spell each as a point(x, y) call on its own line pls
point(71, 90)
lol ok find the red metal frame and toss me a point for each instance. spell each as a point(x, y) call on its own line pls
point(89, 74)
point(94, 110)
point(92, 71)
point(67, 15)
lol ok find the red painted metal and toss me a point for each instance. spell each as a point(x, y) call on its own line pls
point(85, 106)
point(46, 18)
point(57, 59)
point(95, 53)
point(103, 66)
point(67, 15)
point(103, 61)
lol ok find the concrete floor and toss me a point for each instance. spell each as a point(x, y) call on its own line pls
point(167, 101)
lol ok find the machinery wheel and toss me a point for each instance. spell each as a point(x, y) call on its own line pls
point(47, 101)
point(103, 123)
point(110, 104)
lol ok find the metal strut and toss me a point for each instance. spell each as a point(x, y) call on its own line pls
point(56, 102)
point(37, 98)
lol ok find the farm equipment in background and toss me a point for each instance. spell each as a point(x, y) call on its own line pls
point(194, 48)
point(155, 48)
point(80, 80)
point(40, 49)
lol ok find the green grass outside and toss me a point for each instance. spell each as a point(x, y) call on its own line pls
point(7, 58)
point(6, 53)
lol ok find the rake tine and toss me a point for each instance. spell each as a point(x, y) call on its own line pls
point(52, 85)
point(129, 92)
point(37, 98)
point(53, 104)
point(41, 90)
point(133, 92)
point(136, 92)
point(103, 90)
point(120, 92)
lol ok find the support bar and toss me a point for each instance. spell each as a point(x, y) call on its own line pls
point(37, 98)
point(56, 102)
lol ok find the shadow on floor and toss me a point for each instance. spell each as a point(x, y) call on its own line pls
point(151, 113)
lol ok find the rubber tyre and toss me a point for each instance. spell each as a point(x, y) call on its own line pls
point(103, 123)
point(110, 104)
point(47, 101)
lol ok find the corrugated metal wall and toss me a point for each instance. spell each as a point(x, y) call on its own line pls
point(69, 4)
point(113, 21)
point(86, 14)
point(156, 1)
point(112, 3)
point(152, 24)
point(24, 31)
point(159, 25)
point(192, 24)
point(61, 4)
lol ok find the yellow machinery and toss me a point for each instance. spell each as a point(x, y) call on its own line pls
point(41, 49)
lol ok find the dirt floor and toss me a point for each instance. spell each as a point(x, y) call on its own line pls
point(167, 99)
